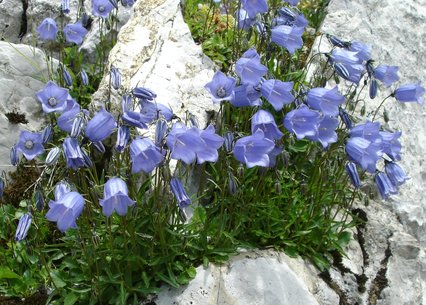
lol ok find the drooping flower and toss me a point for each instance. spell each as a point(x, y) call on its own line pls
point(30, 144)
point(347, 64)
point(66, 120)
point(246, 95)
point(23, 226)
point(326, 131)
point(249, 68)
point(353, 174)
point(144, 93)
point(265, 121)
point(116, 197)
point(254, 150)
point(100, 126)
point(368, 130)
point(123, 137)
point(384, 185)
point(395, 174)
point(179, 192)
point(391, 145)
point(254, 7)
point(155, 111)
point(52, 97)
point(277, 93)
point(386, 74)
point(102, 8)
point(136, 119)
point(65, 209)
point(325, 100)
point(410, 93)
point(212, 142)
point(145, 155)
point(221, 87)
point(337, 42)
point(364, 153)
point(289, 37)
point(75, 33)
point(302, 122)
point(115, 78)
point(73, 153)
point(363, 51)
point(47, 29)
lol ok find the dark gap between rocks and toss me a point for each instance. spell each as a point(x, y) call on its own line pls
point(24, 21)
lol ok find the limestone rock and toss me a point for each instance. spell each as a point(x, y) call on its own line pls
point(23, 71)
point(11, 19)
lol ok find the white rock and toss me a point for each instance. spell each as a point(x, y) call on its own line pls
point(11, 18)
point(23, 71)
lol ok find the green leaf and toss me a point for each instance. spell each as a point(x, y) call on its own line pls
point(6, 273)
point(166, 279)
point(192, 272)
point(70, 298)
point(56, 278)
point(299, 146)
point(344, 238)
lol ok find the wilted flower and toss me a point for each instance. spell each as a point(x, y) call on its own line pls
point(254, 7)
point(73, 153)
point(277, 93)
point(254, 150)
point(410, 93)
point(145, 155)
point(353, 174)
point(384, 185)
point(221, 87)
point(386, 74)
point(53, 156)
point(115, 78)
point(47, 29)
point(14, 159)
point(100, 126)
point(65, 209)
point(84, 78)
point(326, 131)
point(325, 100)
point(123, 136)
point(289, 37)
point(302, 122)
point(23, 226)
point(75, 33)
point(52, 97)
point(179, 193)
point(30, 144)
point(102, 8)
point(364, 152)
point(265, 121)
point(116, 197)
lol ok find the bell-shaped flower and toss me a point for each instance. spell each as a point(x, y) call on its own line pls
point(116, 197)
point(179, 192)
point(61, 188)
point(395, 173)
point(23, 226)
point(265, 121)
point(254, 7)
point(410, 93)
point(155, 111)
point(73, 153)
point(364, 153)
point(386, 74)
point(292, 2)
point(100, 126)
point(115, 78)
point(277, 93)
point(326, 131)
point(123, 137)
point(249, 68)
point(145, 155)
point(254, 150)
point(136, 119)
point(384, 185)
point(302, 122)
point(391, 145)
point(47, 29)
point(65, 209)
point(244, 22)
point(144, 93)
point(52, 97)
point(30, 144)
point(212, 142)
point(289, 37)
point(246, 95)
point(66, 119)
point(353, 174)
point(368, 130)
point(363, 51)
point(221, 87)
point(75, 33)
point(102, 8)
point(325, 100)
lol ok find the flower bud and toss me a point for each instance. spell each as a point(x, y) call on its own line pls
point(160, 132)
point(373, 88)
point(65, 6)
point(87, 161)
point(353, 174)
point(47, 134)
point(344, 116)
point(67, 76)
point(277, 187)
point(115, 77)
point(23, 226)
point(99, 146)
point(232, 183)
point(179, 193)
point(1, 187)
point(123, 136)
point(240, 171)
point(341, 70)
point(14, 159)
point(53, 156)
point(228, 143)
point(336, 41)
point(84, 78)
point(39, 200)
point(77, 126)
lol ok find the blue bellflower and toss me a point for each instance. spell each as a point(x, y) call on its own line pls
point(410, 93)
point(254, 7)
point(73, 153)
point(221, 87)
point(386, 74)
point(326, 131)
point(100, 126)
point(65, 209)
point(123, 137)
point(391, 145)
point(115, 78)
point(289, 37)
point(1, 187)
point(66, 76)
point(246, 95)
point(254, 150)
point(116, 197)
point(277, 93)
point(249, 68)
point(384, 185)
point(66, 119)
point(160, 132)
point(179, 192)
point(155, 111)
point(23, 226)
point(102, 8)
point(14, 158)
point(30, 144)
point(363, 51)
point(395, 174)
point(145, 155)
point(325, 100)
point(144, 93)
point(368, 130)
point(344, 116)
point(353, 174)
point(75, 33)
point(65, 6)
point(84, 78)
point(47, 29)
point(364, 153)
point(302, 122)
point(52, 97)
point(265, 121)
point(244, 21)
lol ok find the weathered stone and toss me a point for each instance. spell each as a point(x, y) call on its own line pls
point(11, 19)
point(23, 71)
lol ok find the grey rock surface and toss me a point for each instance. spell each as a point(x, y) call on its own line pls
point(23, 71)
